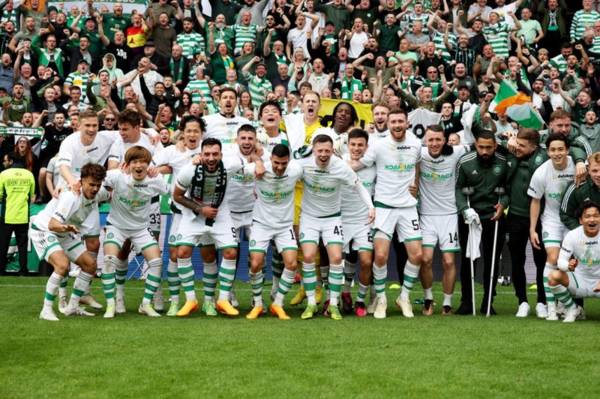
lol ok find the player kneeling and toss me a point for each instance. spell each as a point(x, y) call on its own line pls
point(273, 219)
point(55, 236)
point(129, 218)
point(579, 263)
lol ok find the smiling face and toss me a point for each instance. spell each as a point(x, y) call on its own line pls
point(192, 134)
point(211, 155)
point(270, 117)
point(357, 147)
point(138, 169)
point(322, 153)
point(246, 141)
point(558, 153)
point(90, 187)
point(590, 220)
point(88, 126)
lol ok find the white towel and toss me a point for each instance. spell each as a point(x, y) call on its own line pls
point(473, 251)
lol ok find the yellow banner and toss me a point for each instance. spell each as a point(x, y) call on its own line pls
point(365, 115)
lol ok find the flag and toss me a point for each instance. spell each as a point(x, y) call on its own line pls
point(467, 119)
point(517, 106)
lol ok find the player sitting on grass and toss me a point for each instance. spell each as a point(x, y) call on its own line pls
point(579, 262)
point(129, 219)
point(55, 236)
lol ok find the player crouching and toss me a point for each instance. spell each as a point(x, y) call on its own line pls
point(55, 236)
point(579, 262)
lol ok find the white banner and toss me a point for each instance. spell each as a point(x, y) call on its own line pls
point(128, 5)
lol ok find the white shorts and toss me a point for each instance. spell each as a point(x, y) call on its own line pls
point(242, 220)
point(553, 234)
point(328, 229)
point(405, 221)
point(175, 219)
point(91, 225)
point(193, 233)
point(155, 217)
point(261, 236)
point(581, 286)
point(359, 235)
point(46, 243)
point(442, 230)
point(140, 239)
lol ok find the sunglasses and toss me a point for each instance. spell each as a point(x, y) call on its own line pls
point(109, 119)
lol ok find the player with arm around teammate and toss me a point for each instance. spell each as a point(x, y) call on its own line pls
point(55, 235)
point(549, 182)
point(273, 220)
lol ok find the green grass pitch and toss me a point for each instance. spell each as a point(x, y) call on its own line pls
point(133, 356)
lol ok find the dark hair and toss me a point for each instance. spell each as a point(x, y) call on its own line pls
point(93, 170)
point(358, 133)
point(246, 128)
point(531, 135)
point(210, 142)
point(486, 135)
point(15, 158)
point(353, 114)
point(186, 19)
point(191, 119)
point(587, 205)
point(435, 128)
point(557, 137)
point(281, 151)
point(322, 138)
point(76, 88)
point(129, 116)
point(398, 111)
point(226, 89)
point(267, 104)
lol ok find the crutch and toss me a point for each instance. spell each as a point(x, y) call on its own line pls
point(499, 191)
point(468, 191)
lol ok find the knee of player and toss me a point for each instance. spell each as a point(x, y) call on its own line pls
point(555, 278)
point(416, 258)
point(92, 244)
point(62, 266)
point(256, 262)
point(230, 253)
point(381, 258)
point(184, 252)
point(209, 253)
point(88, 265)
point(447, 264)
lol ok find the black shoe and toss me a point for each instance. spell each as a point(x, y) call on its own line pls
point(446, 310)
point(464, 309)
point(483, 309)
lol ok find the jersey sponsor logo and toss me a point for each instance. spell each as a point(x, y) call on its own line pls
point(276, 195)
point(565, 176)
point(92, 149)
point(317, 188)
point(434, 176)
point(140, 185)
point(401, 167)
point(133, 203)
point(555, 196)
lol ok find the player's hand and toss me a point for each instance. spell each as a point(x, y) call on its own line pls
point(259, 170)
point(573, 264)
point(75, 187)
point(197, 160)
point(371, 217)
point(471, 216)
point(580, 173)
point(209, 212)
point(499, 211)
point(535, 239)
point(56, 192)
point(71, 228)
point(152, 171)
point(413, 190)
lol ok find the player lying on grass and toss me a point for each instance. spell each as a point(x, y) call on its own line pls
point(579, 262)
point(55, 236)
point(129, 219)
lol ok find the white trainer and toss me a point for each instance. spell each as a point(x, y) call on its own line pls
point(406, 307)
point(63, 302)
point(148, 310)
point(541, 311)
point(120, 308)
point(571, 314)
point(380, 311)
point(90, 301)
point(48, 314)
point(552, 314)
point(523, 310)
point(77, 311)
point(110, 311)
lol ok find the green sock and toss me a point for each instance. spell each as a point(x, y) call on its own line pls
point(226, 276)
point(186, 276)
point(152, 279)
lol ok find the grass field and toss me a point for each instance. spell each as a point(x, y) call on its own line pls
point(135, 356)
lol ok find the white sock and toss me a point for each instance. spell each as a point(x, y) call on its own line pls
point(428, 293)
point(447, 300)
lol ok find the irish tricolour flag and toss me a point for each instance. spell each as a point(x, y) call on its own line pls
point(517, 106)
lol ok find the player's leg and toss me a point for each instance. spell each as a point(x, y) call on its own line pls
point(560, 283)
point(172, 273)
point(210, 274)
point(385, 222)
point(158, 300)
point(410, 232)
point(277, 267)
point(333, 237)
point(450, 246)
point(426, 276)
point(257, 262)
point(286, 245)
point(552, 238)
point(365, 259)
point(185, 270)
point(121, 264)
point(350, 262)
point(151, 252)
point(62, 293)
point(111, 261)
point(87, 263)
point(90, 231)
point(310, 234)
point(226, 276)
point(518, 233)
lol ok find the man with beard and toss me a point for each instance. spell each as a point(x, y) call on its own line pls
point(484, 170)
point(202, 191)
point(224, 125)
point(397, 160)
point(380, 117)
point(528, 156)
point(258, 84)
